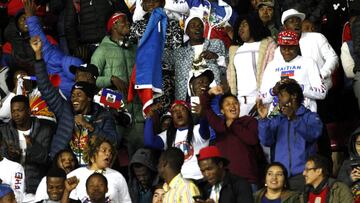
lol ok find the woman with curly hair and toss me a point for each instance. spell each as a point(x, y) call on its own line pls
point(99, 155)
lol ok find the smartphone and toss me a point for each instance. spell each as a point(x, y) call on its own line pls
point(194, 100)
point(198, 198)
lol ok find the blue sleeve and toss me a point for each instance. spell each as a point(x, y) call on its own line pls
point(150, 139)
point(106, 128)
point(309, 126)
point(204, 128)
point(267, 130)
point(35, 29)
point(58, 105)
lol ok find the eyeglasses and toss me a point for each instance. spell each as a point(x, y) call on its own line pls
point(309, 169)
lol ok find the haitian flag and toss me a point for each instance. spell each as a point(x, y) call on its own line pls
point(111, 98)
point(146, 77)
point(289, 73)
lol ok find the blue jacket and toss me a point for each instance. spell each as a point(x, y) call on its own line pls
point(56, 60)
point(293, 141)
point(103, 123)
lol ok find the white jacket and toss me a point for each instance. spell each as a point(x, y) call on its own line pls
point(304, 70)
point(347, 61)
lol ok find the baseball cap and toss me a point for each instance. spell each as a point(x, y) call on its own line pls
point(180, 102)
point(211, 152)
point(90, 68)
point(4, 190)
point(113, 19)
point(288, 37)
point(291, 13)
point(202, 72)
point(88, 88)
point(266, 3)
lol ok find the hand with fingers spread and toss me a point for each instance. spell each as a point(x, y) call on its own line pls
point(29, 7)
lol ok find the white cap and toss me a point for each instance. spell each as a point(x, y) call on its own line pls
point(291, 13)
point(194, 13)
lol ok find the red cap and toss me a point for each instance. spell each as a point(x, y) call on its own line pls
point(180, 102)
point(113, 19)
point(211, 152)
point(288, 37)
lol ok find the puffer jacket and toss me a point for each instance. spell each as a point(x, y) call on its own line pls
point(88, 26)
point(103, 123)
point(36, 154)
point(147, 158)
point(56, 60)
point(286, 196)
point(113, 60)
point(293, 140)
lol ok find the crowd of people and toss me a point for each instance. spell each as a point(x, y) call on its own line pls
point(179, 101)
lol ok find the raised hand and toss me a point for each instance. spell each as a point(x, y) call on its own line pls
point(217, 90)
point(262, 109)
point(29, 7)
point(71, 183)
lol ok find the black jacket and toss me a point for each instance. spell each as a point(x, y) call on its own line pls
point(36, 154)
point(355, 33)
point(234, 189)
point(103, 120)
point(88, 25)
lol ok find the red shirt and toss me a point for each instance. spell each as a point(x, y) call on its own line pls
point(318, 198)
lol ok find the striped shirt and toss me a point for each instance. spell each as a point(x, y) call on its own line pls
point(180, 190)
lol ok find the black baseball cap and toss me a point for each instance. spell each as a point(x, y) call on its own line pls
point(90, 68)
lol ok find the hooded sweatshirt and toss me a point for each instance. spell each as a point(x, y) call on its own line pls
point(147, 158)
point(346, 168)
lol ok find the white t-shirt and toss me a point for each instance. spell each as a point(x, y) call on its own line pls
point(304, 70)
point(22, 143)
point(5, 113)
point(198, 49)
point(118, 190)
point(190, 168)
point(41, 191)
point(315, 45)
point(12, 173)
point(245, 61)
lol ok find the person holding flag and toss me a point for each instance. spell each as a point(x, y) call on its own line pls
point(156, 35)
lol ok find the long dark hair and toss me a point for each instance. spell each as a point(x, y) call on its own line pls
point(286, 180)
point(257, 29)
point(171, 132)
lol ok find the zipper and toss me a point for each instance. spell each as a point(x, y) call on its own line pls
point(289, 149)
